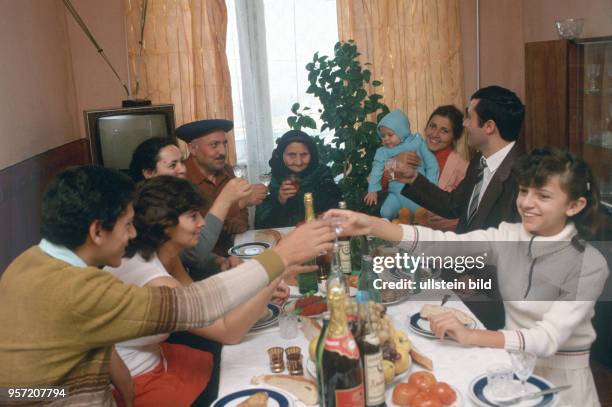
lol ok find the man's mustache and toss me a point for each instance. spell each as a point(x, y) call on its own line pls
point(221, 157)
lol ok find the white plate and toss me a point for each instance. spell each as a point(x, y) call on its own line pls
point(276, 398)
point(269, 320)
point(248, 250)
point(458, 402)
point(421, 326)
point(481, 396)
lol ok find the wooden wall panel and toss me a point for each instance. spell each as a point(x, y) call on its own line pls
point(546, 90)
point(21, 189)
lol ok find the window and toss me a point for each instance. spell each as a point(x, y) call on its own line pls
point(294, 31)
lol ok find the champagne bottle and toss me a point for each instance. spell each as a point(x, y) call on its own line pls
point(307, 282)
point(345, 249)
point(372, 360)
point(319, 355)
point(342, 373)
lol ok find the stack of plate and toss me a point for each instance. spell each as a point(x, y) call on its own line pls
point(270, 319)
point(248, 250)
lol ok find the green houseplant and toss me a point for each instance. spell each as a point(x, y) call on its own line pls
point(352, 114)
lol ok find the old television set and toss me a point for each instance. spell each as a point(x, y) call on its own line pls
point(115, 133)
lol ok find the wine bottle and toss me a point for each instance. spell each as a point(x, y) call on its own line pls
point(345, 249)
point(307, 282)
point(372, 360)
point(342, 373)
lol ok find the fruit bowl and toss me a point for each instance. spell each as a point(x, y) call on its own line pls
point(570, 28)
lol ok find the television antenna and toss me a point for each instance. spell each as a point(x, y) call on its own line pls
point(81, 23)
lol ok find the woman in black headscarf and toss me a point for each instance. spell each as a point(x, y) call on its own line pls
point(295, 171)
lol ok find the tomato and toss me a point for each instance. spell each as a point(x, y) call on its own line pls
point(423, 380)
point(425, 399)
point(404, 393)
point(444, 393)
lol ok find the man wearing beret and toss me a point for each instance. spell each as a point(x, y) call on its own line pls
point(207, 168)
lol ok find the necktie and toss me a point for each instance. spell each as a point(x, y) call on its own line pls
point(475, 196)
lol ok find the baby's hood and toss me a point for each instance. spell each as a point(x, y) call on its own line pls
point(398, 122)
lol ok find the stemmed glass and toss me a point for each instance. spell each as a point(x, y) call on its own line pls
point(390, 166)
point(240, 170)
point(265, 179)
point(523, 364)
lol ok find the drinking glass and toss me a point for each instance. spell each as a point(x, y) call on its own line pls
point(499, 380)
point(336, 222)
point(265, 179)
point(288, 323)
point(240, 170)
point(523, 364)
point(390, 166)
point(295, 180)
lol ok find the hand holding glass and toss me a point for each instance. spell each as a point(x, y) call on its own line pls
point(390, 166)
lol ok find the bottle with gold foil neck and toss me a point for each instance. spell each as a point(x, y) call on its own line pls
point(307, 282)
point(340, 365)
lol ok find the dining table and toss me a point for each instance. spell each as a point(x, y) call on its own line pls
point(453, 363)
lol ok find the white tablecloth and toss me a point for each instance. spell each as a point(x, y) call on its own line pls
point(453, 363)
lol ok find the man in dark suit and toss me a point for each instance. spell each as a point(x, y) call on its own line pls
point(487, 195)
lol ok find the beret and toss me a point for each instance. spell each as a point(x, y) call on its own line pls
point(191, 131)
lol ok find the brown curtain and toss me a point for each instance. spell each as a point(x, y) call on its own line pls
point(414, 47)
point(183, 59)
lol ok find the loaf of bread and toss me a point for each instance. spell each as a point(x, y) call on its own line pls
point(430, 309)
point(302, 388)
point(259, 399)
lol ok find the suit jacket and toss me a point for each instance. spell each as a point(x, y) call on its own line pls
point(451, 175)
point(498, 204)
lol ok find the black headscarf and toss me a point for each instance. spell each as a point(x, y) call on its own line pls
point(279, 169)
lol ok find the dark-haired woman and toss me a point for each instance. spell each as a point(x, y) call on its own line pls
point(296, 170)
point(444, 128)
point(168, 220)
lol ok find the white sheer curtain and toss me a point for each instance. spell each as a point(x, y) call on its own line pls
point(269, 43)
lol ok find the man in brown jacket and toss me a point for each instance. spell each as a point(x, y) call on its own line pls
point(207, 168)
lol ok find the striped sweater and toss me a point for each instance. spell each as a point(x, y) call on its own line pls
point(60, 321)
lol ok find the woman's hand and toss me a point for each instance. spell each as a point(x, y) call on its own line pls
point(448, 324)
point(306, 242)
point(371, 198)
point(286, 191)
point(353, 223)
point(281, 293)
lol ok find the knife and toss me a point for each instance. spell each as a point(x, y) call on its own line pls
point(533, 395)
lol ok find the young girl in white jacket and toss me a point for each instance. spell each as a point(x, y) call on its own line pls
point(549, 280)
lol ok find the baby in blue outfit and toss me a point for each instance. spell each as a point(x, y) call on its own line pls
point(394, 132)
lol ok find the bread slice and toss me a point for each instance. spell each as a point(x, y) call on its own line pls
point(302, 388)
point(420, 358)
point(259, 399)
point(430, 309)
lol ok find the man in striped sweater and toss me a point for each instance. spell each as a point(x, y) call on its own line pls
point(61, 313)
